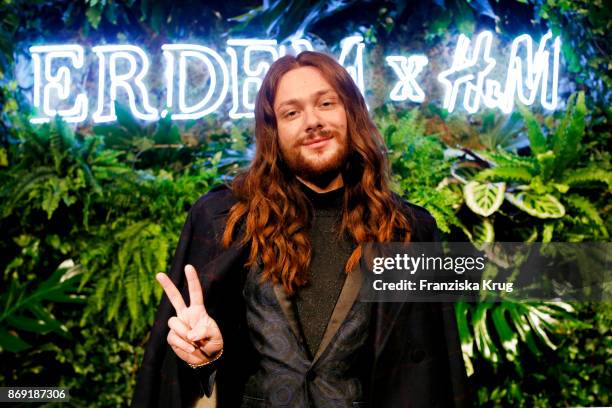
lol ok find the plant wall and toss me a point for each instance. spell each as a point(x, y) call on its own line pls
point(91, 212)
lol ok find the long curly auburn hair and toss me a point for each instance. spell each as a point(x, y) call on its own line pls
point(275, 210)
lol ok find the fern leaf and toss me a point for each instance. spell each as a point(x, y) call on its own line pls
point(585, 207)
point(146, 271)
point(506, 159)
point(547, 164)
point(114, 305)
point(587, 176)
point(570, 132)
point(537, 140)
point(32, 181)
point(131, 292)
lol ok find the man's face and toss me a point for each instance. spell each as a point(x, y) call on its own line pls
point(311, 122)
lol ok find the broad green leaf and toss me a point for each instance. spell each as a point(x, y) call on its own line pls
point(539, 206)
point(541, 320)
point(483, 339)
point(11, 343)
point(45, 315)
point(503, 173)
point(25, 308)
point(483, 232)
point(507, 336)
point(484, 198)
point(547, 232)
point(464, 172)
point(462, 311)
point(29, 324)
point(523, 328)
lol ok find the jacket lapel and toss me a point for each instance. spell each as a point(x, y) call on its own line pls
point(348, 295)
point(350, 290)
point(286, 306)
point(384, 316)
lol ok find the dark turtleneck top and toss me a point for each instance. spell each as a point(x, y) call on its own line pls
point(316, 300)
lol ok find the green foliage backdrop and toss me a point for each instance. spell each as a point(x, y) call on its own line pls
point(90, 214)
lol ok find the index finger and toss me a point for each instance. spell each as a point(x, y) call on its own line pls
point(172, 292)
point(196, 298)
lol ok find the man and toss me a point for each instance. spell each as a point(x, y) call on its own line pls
point(274, 257)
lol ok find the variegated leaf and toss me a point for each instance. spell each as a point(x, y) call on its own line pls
point(483, 232)
point(539, 206)
point(484, 198)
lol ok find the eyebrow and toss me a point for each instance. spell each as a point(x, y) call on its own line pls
point(294, 101)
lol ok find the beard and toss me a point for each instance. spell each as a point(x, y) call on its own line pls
point(319, 171)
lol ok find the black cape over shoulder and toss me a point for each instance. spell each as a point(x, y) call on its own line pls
point(417, 354)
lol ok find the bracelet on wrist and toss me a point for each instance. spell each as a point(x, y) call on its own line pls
point(219, 354)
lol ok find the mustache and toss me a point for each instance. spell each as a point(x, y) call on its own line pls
point(319, 134)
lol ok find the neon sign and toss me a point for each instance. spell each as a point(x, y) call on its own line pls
point(60, 82)
point(531, 69)
point(470, 71)
point(131, 82)
point(407, 70)
point(216, 69)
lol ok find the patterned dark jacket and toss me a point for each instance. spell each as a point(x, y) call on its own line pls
point(413, 352)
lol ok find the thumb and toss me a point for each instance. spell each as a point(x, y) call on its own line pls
point(204, 328)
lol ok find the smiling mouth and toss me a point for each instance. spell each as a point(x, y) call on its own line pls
point(317, 141)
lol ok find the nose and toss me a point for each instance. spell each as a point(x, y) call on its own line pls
point(312, 121)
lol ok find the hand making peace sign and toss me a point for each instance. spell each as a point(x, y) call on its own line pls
point(194, 335)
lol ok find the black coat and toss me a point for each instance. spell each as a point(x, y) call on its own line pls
point(416, 355)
